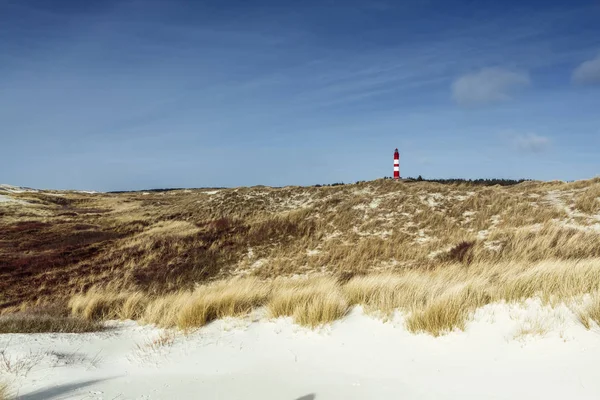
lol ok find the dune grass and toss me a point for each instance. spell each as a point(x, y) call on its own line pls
point(222, 299)
point(97, 305)
point(310, 302)
point(46, 320)
point(590, 313)
point(589, 200)
point(4, 392)
point(447, 312)
point(184, 258)
point(165, 242)
point(435, 301)
point(533, 326)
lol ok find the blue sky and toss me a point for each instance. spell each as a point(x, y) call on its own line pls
point(132, 94)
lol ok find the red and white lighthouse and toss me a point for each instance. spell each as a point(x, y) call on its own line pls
point(396, 165)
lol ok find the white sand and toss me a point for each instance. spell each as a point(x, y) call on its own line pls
point(87, 191)
point(8, 199)
point(359, 357)
point(15, 189)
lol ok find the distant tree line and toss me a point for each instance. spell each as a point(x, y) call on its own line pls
point(477, 182)
point(331, 184)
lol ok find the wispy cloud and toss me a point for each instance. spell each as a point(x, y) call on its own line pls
point(531, 142)
point(487, 86)
point(588, 72)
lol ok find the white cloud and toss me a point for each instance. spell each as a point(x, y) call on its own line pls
point(531, 142)
point(487, 86)
point(588, 72)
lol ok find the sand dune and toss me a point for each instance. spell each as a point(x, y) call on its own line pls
point(506, 352)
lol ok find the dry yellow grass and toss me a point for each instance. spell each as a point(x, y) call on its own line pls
point(447, 312)
point(223, 299)
point(184, 309)
point(97, 305)
point(311, 302)
point(134, 306)
point(155, 345)
point(385, 293)
point(163, 311)
point(4, 393)
point(591, 312)
point(536, 326)
point(435, 301)
point(589, 200)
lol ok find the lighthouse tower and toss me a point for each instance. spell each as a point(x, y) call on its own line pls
point(396, 165)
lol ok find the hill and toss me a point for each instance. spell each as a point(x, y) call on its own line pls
point(436, 250)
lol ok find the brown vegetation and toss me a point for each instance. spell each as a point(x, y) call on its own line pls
point(46, 319)
point(423, 247)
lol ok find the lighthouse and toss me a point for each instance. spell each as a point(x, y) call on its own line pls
point(396, 165)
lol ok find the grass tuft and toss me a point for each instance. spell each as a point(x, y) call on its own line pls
point(222, 299)
point(134, 306)
point(311, 302)
point(447, 312)
point(533, 327)
point(4, 392)
point(591, 312)
point(589, 200)
point(92, 305)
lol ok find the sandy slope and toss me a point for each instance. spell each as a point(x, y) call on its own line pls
point(357, 358)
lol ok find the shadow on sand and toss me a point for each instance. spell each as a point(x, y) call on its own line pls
point(62, 390)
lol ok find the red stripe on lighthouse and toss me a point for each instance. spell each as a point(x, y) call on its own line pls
point(396, 165)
